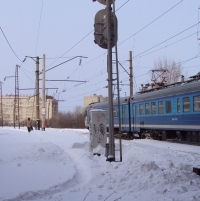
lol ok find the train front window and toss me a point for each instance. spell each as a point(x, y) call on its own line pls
point(153, 108)
point(168, 106)
point(178, 105)
point(186, 104)
point(196, 102)
point(147, 108)
point(160, 107)
point(141, 109)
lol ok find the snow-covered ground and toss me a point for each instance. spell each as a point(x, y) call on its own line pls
point(56, 165)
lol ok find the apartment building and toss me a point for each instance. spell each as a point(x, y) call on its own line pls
point(94, 99)
point(27, 108)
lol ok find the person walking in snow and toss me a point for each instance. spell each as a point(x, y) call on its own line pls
point(28, 124)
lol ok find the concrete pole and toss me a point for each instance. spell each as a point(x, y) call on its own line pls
point(37, 95)
point(43, 95)
point(111, 156)
point(131, 74)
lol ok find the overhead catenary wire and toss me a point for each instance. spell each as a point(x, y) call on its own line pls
point(138, 55)
point(198, 38)
point(151, 22)
point(9, 44)
point(138, 30)
point(126, 39)
point(80, 40)
point(168, 45)
point(71, 48)
point(39, 28)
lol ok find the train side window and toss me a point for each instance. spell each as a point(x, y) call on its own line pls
point(178, 105)
point(136, 112)
point(196, 102)
point(186, 104)
point(147, 108)
point(168, 107)
point(141, 109)
point(123, 111)
point(153, 108)
point(160, 107)
point(115, 112)
point(134, 109)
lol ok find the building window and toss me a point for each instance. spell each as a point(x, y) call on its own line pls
point(168, 107)
point(178, 105)
point(186, 104)
point(196, 103)
point(160, 107)
point(153, 108)
point(141, 109)
point(147, 108)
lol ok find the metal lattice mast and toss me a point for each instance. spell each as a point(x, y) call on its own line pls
point(16, 101)
point(1, 105)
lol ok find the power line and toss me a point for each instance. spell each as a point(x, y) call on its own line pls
point(27, 76)
point(168, 45)
point(151, 22)
point(122, 6)
point(9, 44)
point(39, 27)
point(71, 47)
point(139, 30)
point(65, 62)
point(198, 43)
point(81, 39)
point(166, 40)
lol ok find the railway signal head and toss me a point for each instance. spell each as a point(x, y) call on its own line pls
point(103, 1)
point(100, 29)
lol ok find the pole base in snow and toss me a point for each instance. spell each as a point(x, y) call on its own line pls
point(196, 170)
point(110, 158)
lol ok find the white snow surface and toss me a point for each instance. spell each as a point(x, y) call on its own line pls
point(56, 165)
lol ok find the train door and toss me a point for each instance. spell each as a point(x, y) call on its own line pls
point(133, 116)
point(123, 117)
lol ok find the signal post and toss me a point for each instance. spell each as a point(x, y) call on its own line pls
point(106, 37)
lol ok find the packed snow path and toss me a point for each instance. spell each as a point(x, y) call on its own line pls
point(56, 165)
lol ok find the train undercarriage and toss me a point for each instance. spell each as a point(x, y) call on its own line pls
point(189, 137)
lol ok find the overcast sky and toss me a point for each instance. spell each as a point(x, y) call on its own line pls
point(64, 29)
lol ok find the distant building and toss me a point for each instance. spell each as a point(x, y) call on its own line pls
point(27, 108)
point(94, 99)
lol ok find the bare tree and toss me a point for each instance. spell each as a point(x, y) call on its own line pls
point(174, 69)
point(73, 119)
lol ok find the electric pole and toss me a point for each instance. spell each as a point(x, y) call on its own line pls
point(43, 112)
point(37, 95)
point(131, 74)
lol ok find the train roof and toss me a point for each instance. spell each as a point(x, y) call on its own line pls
point(169, 90)
point(105, 103)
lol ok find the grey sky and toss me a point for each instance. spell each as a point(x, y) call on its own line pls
point(65, 28)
